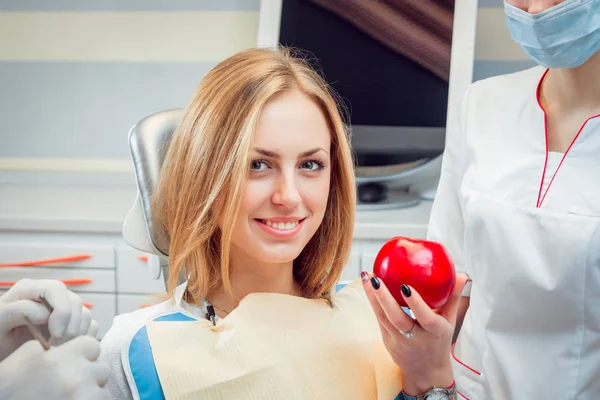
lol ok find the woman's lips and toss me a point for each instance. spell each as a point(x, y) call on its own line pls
point(281, 227)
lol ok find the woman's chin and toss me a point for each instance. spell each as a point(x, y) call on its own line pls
point(271, 257)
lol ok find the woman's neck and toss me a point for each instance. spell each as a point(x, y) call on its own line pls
point(250, 276)
point(570, 97)
point(569, 89)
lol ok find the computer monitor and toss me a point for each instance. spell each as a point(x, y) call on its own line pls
point(400, 66)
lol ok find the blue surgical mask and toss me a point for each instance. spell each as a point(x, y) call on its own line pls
point(563, 36)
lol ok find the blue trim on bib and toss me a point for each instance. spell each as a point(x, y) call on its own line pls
point(141, 361)
point(340, 286)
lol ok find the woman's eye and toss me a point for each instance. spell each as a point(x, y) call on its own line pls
point(312, 165)
point(258, 165)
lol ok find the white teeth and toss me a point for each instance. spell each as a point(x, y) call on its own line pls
point(282, 226)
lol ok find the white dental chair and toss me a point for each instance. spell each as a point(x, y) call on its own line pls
point(149, 140)
point(148, 143)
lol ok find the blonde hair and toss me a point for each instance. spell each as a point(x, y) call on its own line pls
point(206, 166)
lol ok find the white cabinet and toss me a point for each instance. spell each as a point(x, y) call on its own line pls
point(367, 260)
point(103, 307)
point(84, 262)
point(127, 303)
point(352, 269)
point(133, 274)
point(76, 279)
point(64, 250)
point(108, 275)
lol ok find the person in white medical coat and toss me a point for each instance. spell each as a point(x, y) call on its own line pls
point(518, 207)
point(70, 369)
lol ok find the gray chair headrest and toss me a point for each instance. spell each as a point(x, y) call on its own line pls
point(149, 141)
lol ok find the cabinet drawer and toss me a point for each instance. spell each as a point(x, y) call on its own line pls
point(57, 250)
point(352, 270)
point(103, 308)
point(101, 280)
point(127, 303)
point(368, 250)
point(133, 273)
point(367, 260)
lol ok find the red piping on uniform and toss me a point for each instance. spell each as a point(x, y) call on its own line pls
point(460, 362)
point(462, 395)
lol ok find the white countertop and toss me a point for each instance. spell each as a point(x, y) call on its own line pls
point(410, 222)
point(63, 207)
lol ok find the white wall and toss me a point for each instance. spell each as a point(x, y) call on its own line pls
point(77, 74)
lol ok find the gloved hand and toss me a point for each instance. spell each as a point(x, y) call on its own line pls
point(68, 319)
point(70, 371)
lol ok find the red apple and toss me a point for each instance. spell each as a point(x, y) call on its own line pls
point(421, 264)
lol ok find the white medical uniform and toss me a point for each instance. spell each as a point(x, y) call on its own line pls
point(532, 330)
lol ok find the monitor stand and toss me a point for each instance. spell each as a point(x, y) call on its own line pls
point(375, 196)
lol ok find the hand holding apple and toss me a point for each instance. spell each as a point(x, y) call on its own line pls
point(421, 264)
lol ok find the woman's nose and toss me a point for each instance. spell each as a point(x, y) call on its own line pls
point(287, 193)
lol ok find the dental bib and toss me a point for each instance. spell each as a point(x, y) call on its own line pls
point(275, 346)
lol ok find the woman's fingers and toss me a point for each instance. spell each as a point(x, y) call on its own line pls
point(388, 311)
point(450, 309)
point(394, 312)
point(428, 319)
point(384, 324)
point(392, 317)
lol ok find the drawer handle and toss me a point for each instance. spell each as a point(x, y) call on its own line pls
point(143, 258)
point(68, 282)
point(78, 257)
point(76, 282)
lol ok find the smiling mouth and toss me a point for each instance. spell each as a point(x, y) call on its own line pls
point(282, 226)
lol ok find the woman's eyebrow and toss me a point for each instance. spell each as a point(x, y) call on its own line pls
point(272, 154)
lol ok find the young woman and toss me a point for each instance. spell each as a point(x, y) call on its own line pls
point(257, 194)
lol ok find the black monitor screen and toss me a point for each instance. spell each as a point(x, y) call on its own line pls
point(389, 60)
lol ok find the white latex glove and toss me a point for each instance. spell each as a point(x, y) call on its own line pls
point(70, 371)
point(68, 319)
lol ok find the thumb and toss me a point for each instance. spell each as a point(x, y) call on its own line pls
point(13, 314)
point(450, 309)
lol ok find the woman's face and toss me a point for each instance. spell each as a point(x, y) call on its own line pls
point(534, 6)
point(288, 183)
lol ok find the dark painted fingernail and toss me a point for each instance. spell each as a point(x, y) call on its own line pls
point(405, 291)
point(375, 283)
point(364, 276)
